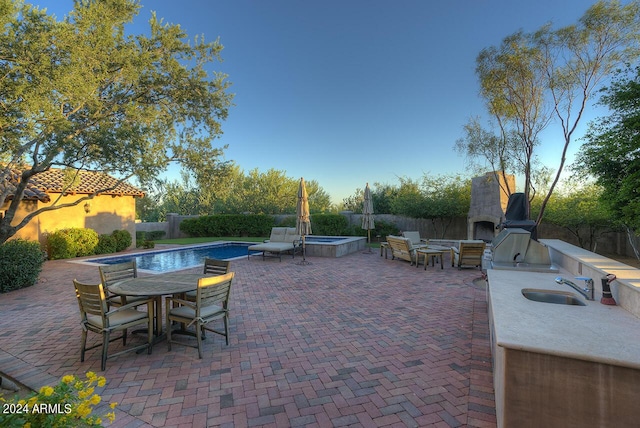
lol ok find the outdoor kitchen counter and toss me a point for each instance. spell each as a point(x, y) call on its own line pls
point(595, 332)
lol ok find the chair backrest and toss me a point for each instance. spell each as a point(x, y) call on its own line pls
point(471, 251)
point(214, 290)
point(117, 272)
point(401, 247)
point(91, 300)
point(278, 234)
point(216, 267)
point(292, 235)
point(413, 236)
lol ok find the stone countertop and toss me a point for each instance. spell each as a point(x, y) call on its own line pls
point(596, 332)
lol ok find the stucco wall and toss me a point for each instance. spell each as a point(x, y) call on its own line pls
point(106, 214)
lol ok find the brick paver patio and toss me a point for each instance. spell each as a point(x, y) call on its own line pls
point(357, 341)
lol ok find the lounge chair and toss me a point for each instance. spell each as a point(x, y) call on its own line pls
point(401, 248)
point(282, 240)
point(468, 253)
point(414, 237)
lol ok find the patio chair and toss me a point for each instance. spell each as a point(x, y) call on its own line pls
point(211, 267)
point(401, 248)
point(468, 253)
point(96, 317)
point(414, 237)
point(212, 303)
point(117, 272)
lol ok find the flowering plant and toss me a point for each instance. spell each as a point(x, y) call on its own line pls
point(69, 403)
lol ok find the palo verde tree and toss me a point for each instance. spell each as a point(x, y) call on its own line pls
point(534, 79)
point(79, 93)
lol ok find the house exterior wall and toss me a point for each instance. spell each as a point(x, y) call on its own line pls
point(107, 213)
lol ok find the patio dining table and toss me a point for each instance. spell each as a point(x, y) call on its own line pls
point(157, 286)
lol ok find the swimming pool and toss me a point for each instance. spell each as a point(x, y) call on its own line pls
point(161, 261)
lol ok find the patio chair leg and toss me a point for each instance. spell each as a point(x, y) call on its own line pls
point(226, 329)
point(83, 345)
point(199, 337)
point(105, 347)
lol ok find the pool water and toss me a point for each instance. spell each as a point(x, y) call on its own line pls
point(179, 258)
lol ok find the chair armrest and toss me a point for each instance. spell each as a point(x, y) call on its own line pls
point(130, 306)
point(181, 302)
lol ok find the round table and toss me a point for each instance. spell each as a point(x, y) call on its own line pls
point(157, 286)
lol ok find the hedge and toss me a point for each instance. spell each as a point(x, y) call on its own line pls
point(228, 225)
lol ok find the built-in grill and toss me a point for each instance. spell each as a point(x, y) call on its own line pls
point(513, 249)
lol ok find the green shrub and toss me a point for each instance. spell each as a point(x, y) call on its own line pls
point(106, 244)
point(384, 229)
point(228, 225)
point(148, 244)
point(154, 235)
point(288, 222)
point(20, 264)
point(123, 239)
point(329, 224)
point(71, 242)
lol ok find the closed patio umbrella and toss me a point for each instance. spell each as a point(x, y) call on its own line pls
point(303, 224)
point(368, 221)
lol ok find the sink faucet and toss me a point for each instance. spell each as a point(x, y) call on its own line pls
point(587, 291)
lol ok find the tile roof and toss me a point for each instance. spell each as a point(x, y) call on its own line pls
point(52, 181)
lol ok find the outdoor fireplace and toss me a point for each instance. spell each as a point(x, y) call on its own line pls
point(489, 197)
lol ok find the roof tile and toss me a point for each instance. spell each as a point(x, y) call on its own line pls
point(53, 181)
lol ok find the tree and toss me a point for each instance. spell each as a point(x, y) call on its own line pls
point(611, 153)
point(532, 79)
point(80, 94)
point(447, 197)
point(581, 212)
point(270, 192)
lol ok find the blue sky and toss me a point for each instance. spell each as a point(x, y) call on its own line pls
point(347, 92)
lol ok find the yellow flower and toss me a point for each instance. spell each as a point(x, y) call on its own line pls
point(46, 391)
point(83, 410)
point(85, 393)
point(95, 399)
point(68, 379)
point(91, 376)
point(113, 405)
point(27, 425)
point(111, 416)
point(78, 385)
point(33, 400)
point(102, 381)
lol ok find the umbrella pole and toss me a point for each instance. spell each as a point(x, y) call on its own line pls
point(304, 253)
point(368, 243)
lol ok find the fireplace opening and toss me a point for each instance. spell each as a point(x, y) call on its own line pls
point(484, 230)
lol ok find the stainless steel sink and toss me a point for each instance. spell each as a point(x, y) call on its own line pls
point(551, 296)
